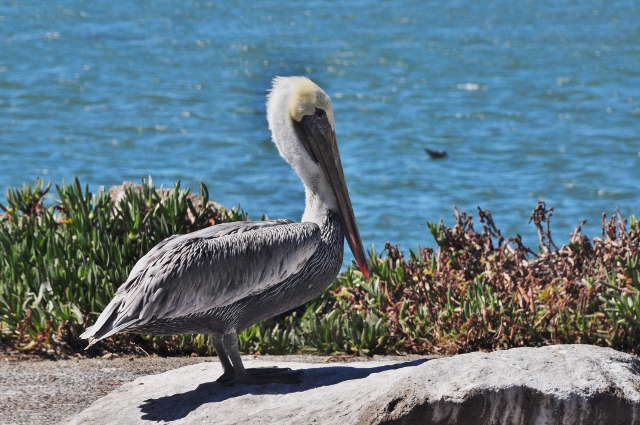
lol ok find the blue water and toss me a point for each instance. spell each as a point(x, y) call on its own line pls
point(532, 100)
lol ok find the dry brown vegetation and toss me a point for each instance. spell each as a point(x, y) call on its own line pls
point(478, 291)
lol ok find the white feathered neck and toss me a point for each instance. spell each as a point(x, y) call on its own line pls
point(290, 99)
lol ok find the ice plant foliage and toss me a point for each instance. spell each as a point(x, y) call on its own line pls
point(61, 264)
point(477, 290)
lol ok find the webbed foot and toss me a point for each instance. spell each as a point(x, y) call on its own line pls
point(265, 370)
point(226, 377)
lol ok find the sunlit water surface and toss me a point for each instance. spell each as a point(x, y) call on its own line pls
point(530, 100)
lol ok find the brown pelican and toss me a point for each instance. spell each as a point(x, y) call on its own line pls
point(224, 278)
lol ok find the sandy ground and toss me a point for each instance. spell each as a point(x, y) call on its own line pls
point(47, 392)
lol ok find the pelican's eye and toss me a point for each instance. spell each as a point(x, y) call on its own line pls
point(320, 114)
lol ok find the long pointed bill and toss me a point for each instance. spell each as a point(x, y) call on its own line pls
point(321, 143)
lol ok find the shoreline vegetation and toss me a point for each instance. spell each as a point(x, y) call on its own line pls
point(61, 262)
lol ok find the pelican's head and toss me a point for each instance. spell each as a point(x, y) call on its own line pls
point(300, 118)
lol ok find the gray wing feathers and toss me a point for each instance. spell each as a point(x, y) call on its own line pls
point(209, 268)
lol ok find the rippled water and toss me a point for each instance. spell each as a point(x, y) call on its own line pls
point(530, 100)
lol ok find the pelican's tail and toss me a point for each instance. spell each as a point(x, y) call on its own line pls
point(108, 323)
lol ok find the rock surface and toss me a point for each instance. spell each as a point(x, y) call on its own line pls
point(564, 384)
point(117, 194)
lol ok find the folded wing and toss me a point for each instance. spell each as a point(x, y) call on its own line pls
point(210, 268)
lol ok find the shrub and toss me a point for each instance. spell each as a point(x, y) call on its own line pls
point(60, 265)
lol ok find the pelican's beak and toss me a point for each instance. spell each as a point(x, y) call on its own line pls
point(320, 141)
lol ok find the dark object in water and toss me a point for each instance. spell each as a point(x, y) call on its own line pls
point(436, 154)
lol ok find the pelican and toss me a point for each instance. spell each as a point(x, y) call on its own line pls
point(225, 278)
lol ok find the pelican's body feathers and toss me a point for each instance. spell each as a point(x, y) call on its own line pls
point(213, 267)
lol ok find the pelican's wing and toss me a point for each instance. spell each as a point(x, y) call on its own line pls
point(210, 268)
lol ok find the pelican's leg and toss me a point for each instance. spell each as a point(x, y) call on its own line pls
point(256, 376)
point(217, 343)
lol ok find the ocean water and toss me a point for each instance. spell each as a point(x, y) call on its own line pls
point(531, 100)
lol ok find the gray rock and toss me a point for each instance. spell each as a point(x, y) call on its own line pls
point(564, 384)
